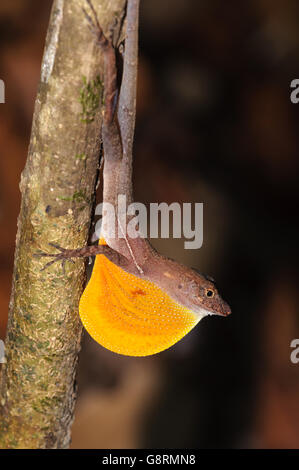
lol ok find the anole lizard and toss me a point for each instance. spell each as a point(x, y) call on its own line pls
point(137, 302)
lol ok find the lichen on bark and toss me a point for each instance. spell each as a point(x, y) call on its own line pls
point(37, 392)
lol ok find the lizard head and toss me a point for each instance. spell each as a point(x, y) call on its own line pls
point(205, 296)
point(198, 293)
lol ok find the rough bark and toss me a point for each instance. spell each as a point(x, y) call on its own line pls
point(37, 392)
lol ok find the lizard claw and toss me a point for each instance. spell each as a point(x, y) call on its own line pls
point(59, 248)
point(56, 257)
point(93, 23)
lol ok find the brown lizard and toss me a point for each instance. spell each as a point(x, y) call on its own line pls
point(137, 302)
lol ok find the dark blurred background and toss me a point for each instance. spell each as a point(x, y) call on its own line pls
point(216, 125)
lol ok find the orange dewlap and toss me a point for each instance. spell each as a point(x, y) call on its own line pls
point(129, 315)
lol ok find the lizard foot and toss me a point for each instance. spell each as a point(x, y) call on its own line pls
point(93, 22)
point(63, 255)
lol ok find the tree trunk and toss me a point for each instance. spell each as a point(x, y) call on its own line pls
point(37, 392)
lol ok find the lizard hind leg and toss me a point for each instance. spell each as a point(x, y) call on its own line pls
point(110, 70)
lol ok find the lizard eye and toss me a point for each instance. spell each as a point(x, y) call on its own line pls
point(209, 293)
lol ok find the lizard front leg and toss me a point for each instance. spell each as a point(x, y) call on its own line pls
point(93, 250)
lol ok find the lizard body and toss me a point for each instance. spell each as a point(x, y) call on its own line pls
point(137, 301)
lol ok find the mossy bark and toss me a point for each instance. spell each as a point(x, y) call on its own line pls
point(37, 392)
